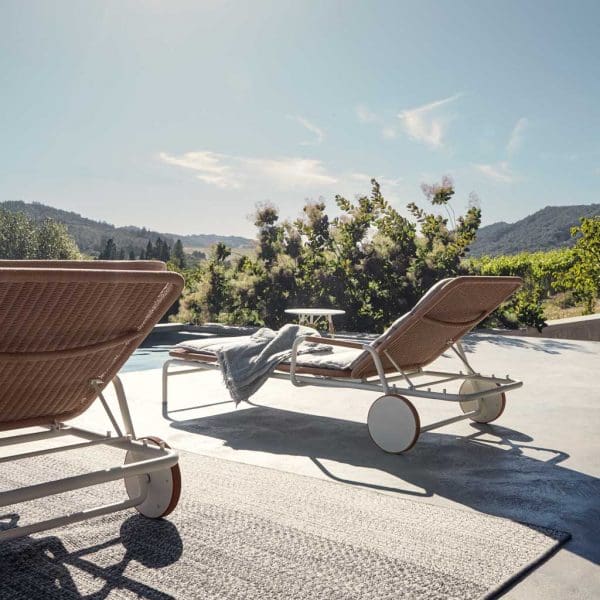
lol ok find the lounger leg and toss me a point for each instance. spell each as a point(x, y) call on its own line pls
point(165, 384)
point(123, 406)
point(460, 352)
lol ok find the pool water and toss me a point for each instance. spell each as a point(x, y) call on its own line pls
point(144, 359)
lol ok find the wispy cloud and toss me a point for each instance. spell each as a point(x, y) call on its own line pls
point(305, 175)
point(365, 115)
point(210, 167)
point(385, 182)
point(499, 172)
point(318, 133)
point(516, 136)
point(295, 171)
point(427, 124)
point(234, 172)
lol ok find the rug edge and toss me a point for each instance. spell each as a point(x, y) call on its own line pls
point(528, 568)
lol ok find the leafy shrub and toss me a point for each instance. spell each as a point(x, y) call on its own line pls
point(24, 238)
point(539, 271)
point(369, 260)
point(583, 275)
point(375, 264)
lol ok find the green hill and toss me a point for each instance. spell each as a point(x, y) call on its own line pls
point(91, 236)
point(545, 229)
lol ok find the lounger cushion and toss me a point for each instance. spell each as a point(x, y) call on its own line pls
point(334, 359)
point(210, 345)
point(338, 358)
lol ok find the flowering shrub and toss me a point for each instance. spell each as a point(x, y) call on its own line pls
point(369, 260)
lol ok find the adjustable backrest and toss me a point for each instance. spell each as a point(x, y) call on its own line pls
point(111, 265)
point(445, 314)
point(62, 327)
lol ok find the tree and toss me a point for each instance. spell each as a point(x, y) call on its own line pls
point(23, 238)
point(149, 255)
point(53, 240)
point(209, 293)
point(369, 260)
point(178, 257)
point(444, 241)
point(220, 252)
point(583, 277)
point(109, 252)
point(162, 250)
point(17, 236)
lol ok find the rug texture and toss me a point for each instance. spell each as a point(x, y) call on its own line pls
point(245, 532)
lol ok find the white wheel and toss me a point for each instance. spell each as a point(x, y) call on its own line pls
point(393, 423)
point(489, 408)
point(164, 486)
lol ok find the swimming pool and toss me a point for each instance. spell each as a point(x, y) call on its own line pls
point(155, 349)
point(144, 359)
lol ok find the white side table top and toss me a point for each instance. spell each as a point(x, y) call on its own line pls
point(321, 312)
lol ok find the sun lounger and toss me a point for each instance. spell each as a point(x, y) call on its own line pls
point(395, 363)
point(67, 328)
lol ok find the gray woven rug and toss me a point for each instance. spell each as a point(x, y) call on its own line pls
point(244, 532)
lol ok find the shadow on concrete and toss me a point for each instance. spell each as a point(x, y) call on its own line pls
point(547, 345)
point(42, 568)
point(494, 470)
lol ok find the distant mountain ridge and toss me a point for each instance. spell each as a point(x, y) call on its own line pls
point(546, 229)
point(91, 236)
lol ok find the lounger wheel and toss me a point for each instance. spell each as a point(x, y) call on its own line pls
point(490, 407)
point(393, 423)
point(164, 486)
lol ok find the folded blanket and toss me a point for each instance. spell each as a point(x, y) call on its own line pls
point(247, 364)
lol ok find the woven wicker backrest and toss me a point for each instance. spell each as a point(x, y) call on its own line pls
point(112, 265)
point(61, 328)
point(444, 315)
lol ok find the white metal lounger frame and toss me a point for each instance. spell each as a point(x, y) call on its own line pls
point(150, 481)
point(395, 420)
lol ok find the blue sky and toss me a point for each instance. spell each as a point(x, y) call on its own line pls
point(182, 115)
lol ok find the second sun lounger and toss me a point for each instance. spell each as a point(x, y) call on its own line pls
point(395, 363)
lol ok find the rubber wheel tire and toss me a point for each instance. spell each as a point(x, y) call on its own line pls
point(491, 407)
point(164, 488)
point(393, 423)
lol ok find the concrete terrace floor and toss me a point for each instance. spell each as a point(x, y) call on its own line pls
point(540, 463)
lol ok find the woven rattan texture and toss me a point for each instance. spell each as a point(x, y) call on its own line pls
point(113, 265)
point(56, 332)
point(414, 341)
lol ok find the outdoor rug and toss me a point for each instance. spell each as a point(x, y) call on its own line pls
point(245, 532)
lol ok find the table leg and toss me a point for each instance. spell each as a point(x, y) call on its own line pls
point(331, 327)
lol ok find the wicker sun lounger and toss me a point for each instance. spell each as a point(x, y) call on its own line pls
point(394, 364)
point(67, 328)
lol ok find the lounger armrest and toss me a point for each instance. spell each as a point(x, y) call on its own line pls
point(333, 342)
